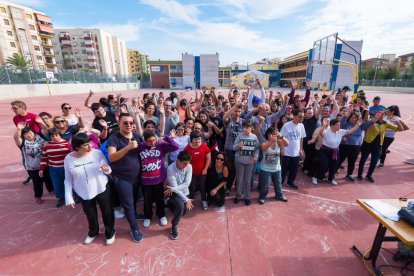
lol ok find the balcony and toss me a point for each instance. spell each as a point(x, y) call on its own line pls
point(48, 54)
point(47, 44)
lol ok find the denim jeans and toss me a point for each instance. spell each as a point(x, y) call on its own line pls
point(57, 175)
point(128, 195)
point(264, 182)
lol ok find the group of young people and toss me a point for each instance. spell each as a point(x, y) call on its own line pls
point(162, 150)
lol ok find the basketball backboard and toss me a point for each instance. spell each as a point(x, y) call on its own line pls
point(323, 55)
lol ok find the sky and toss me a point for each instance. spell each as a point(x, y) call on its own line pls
point(239, 30)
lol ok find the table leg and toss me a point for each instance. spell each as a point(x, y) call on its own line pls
point(375, 248)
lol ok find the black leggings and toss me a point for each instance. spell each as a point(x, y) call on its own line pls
point(387, 142)
point(350, 152)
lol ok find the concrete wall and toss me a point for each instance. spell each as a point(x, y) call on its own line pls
point(209, 67)
point(19, 91)
point(188, 70)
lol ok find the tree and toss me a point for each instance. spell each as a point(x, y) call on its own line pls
point(368, 73)
point(391, 72)
point(18, 62)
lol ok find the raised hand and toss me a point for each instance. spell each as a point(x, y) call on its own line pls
point(78, 113)
point(173, 132)
point(91, 93)
point(261, 119)
point(325, 122)
point(294, 84)
point(308, 83)
point(38, 120)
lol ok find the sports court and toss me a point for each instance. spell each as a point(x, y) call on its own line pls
point(311, 234)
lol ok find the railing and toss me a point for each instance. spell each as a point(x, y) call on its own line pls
point(10, 75)
point(388, 83)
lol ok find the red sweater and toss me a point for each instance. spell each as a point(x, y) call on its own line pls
point(53, 154)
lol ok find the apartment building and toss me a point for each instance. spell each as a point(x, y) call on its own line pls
point(137, 63)
point(90, 50)
point(26, 32)
point(166, 74)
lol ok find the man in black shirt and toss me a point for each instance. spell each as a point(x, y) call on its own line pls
point(104, 121)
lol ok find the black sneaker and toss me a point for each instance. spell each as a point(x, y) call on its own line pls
point(282, 198)
point(380, 165)
point(350, 178)
point(136, 236)
point(341, 167)
point(247, 202)
point(60, 203)
point(387, 151)
point(359, 177)
point(293, 186)
point(28, 181)
point(370, 179)
point(174, 233)
point(236, 200)
point(227, 193)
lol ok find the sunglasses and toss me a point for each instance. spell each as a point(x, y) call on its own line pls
point(220, 159)
point(128, 123)
point(67, 108)
point(60, 121)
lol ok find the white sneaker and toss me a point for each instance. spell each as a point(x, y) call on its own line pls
point(221, 209)
point(111, 240)
point(333, 182)
point(89, 240)
point(204, 204)
point(314, 181)
point(146, 223)
point(119, 214)
point(163, 221)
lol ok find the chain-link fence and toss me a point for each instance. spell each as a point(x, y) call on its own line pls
point(10, 75)
point(388, 83)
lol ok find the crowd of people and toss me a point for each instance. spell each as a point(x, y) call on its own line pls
point(162, 150)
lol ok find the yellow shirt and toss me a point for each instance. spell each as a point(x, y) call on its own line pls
point(376, 129)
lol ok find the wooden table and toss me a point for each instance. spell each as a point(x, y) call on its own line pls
point(402, 231)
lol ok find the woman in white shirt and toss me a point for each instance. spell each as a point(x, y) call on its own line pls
point(85, 173)
point(329, 153)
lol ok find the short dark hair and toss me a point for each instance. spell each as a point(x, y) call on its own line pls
point(195, 134)
point(79, 139)
point(247, 123)
point(377, 98)
point(62, 105)
point(296, 112)
point(149, 122)
point(123, 115)
point(52, 131)
point(26, 130)
point(188, 119)
point(183, 102)
point(95, 106)
point(333, 122)
point(180, 124)
point(148, 134)
point(43, 113)
point(184, 156)
point(103, 101)
point(270, 130)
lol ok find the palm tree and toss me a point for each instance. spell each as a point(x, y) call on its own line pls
point(18, 62)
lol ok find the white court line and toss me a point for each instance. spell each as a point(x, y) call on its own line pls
point(4, 136)
point(404, 149)
point(401, 154)
point(321, 198)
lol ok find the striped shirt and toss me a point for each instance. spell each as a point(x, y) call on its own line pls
point(53, 154)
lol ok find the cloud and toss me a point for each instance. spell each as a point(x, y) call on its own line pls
point(254, 11)
point(175, 10)
point(385, 26)
point(129, 31)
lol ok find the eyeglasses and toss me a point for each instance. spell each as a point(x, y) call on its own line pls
point(196, 139)
point(128, 123)
point(220, 159)
point(67, 108)
point(60, 121)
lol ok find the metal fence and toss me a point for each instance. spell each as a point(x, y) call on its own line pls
point(388, 83)
point(33, 75)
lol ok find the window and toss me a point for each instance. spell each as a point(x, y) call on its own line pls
point(37, 48)
point(29, 16)
point(12, 44)
point(78, 59)
point(39, 57)
point(6, 21)
point(10, 33)
point(31, 27)
point(79, 65)
point(2, 9)
point(34, 37)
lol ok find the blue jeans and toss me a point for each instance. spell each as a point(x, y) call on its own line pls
point(128, 195)
point(264, 182)
point(57, 175)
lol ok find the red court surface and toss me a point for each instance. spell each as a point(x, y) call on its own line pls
point(311, 234)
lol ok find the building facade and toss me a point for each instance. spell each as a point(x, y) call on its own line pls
point(199, 71)
point(166, 74)
point(90, 50)
point(26, 32)
point(404, 61)
point(137, 63)
point(224, 76)
point(294, 68)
